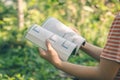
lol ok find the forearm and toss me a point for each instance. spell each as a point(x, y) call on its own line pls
point(92, 50)
point(79, 70)
point(101, 72)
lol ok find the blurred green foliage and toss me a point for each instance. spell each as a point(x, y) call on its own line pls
point(19, 59)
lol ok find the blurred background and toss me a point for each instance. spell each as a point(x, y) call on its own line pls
point(19, 58)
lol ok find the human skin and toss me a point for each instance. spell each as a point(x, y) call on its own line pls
point(92, 50)
point(106, 70)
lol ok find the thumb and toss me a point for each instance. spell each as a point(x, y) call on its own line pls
point(49, 46)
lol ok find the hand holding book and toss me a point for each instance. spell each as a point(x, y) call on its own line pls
point(63, 39)
point(63, 31)
point(50, 54)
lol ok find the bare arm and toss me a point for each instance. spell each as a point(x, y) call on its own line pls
point(92, 50)
point(105, 71)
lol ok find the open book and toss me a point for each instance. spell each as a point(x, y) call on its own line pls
point(63, 39)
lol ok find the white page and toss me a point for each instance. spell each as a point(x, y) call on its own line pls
point(62, 30)
point(39, 35)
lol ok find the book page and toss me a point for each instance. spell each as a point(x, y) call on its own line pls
point(39, 35)
point(62, 30)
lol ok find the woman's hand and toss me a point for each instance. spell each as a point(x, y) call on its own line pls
point(50, 55)
point(75, 30)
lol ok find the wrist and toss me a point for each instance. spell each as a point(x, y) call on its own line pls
point(83, 46)
point(58, 64)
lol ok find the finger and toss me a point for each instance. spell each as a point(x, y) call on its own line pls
point(42, 52)
point(49, 46)
point(75, 30)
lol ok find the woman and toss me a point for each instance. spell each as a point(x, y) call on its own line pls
point(109, 57)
